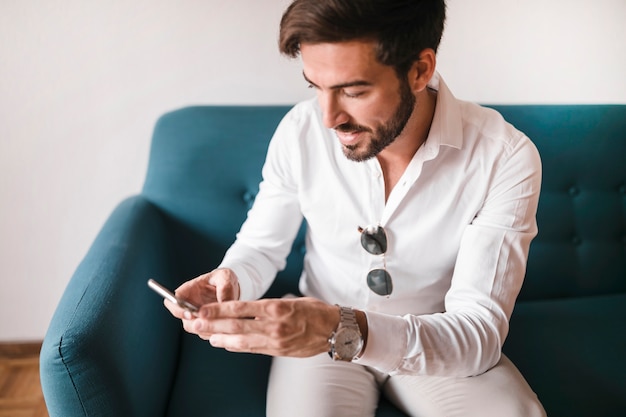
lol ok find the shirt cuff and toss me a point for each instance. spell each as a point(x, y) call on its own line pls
point(386, 342)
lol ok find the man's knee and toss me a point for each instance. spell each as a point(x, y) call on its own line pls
point(501, 391)
point(320, 387)
point(519, 403)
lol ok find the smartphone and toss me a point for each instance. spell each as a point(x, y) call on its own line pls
point(168, 295)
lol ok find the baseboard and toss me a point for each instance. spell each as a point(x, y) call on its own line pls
point(19, 349)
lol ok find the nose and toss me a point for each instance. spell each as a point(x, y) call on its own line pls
point(332, 111)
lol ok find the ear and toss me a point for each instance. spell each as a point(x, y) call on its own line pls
point(422, 70)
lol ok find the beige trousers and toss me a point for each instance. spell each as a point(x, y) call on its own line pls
point(319, 387)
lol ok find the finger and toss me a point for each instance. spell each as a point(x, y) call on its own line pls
point(261, 344)
point(241, 343)
point(179, 312)
point(175, 309)
point(188, 289)
point(190, 326)
point(197, 291)
point(280, 332)
point(227, 292)
point(225, 283)
point(246, 309)
point(233, 327)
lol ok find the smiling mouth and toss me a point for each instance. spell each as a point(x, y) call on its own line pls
point(348, 138)
point(349, 134)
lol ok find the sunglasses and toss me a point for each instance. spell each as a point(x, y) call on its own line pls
point(374, 241)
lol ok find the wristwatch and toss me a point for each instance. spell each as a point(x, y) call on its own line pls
point(346, 342)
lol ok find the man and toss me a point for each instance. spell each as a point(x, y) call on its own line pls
point(420, 210)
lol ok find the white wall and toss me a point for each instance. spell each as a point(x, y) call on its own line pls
point(81, 84)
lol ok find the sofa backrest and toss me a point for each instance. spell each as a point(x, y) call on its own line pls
point(205, 166)
point(581, 245)
point(204, 172)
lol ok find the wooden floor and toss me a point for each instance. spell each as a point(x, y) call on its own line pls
point(20, 390)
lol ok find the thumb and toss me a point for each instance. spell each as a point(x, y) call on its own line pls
point(228, 292)
point(226, 286)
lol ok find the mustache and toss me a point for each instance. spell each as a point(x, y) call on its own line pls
point(351, 128)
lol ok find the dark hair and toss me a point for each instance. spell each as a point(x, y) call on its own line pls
point(400, 28)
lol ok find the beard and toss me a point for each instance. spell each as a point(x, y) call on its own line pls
point(383, 135)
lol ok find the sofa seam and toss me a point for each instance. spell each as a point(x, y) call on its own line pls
point(71, 376)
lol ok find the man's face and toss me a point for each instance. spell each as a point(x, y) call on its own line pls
point(361, 99)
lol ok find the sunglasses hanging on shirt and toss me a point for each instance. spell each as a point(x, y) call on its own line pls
point(374, 241)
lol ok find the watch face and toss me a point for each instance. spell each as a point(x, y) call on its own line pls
point(348, 343)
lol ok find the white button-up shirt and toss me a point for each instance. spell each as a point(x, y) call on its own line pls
point(459, 224)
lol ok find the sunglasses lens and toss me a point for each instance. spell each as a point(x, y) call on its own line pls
point(379, 281)
point(374, 240)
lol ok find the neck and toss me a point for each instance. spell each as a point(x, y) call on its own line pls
point(396, 157)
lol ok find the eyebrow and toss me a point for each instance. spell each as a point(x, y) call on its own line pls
point(356, 83)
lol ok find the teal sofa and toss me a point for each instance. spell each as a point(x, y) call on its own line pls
point(113, 350)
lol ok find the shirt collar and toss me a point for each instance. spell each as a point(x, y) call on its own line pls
point(447, 127)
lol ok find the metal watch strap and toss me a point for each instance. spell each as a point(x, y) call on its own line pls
point(347, 319)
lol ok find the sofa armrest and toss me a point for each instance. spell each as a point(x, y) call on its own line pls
point(111, 348)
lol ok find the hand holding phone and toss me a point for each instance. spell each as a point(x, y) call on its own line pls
point(168, 295)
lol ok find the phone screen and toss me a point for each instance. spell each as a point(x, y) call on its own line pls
point(167, 294)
